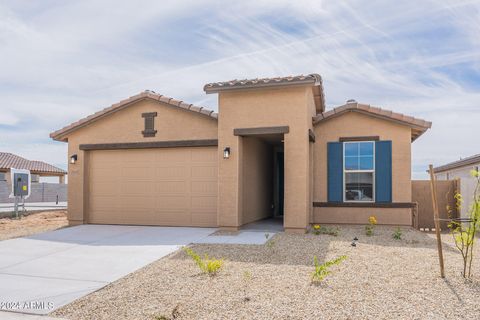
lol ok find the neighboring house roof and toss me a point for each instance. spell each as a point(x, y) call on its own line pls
point(60, 135)
point(418, 126)
point(313, 79)
point(458, 164)
point(9, 160)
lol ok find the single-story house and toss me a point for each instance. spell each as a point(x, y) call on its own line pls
point(272, 150)
point(460, 170)
point(37, 168)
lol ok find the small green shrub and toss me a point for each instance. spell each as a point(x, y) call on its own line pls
point(206, 265)
point(247, 277)
point(270, 243)
point(397, 234)
point(331, 231)
point(175, 314)
point(369, 230)
point(321, 270)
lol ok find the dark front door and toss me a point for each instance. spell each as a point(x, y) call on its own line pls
point(281, 178)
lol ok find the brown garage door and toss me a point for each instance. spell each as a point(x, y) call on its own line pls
point(165, 186)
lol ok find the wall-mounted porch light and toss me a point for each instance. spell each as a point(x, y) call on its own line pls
point(73, 159)
point(226, 153)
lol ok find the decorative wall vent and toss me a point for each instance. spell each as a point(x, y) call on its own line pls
point(149, 130)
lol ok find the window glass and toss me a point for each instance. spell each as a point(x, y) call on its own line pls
point(359, 186)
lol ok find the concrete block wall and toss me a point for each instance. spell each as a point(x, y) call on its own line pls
point(41, 192)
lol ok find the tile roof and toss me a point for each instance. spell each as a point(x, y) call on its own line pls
point(9, 160)
point(259, 82)
point(418, 126)
point(458, 164)
point(60, 135)
point(313, 79)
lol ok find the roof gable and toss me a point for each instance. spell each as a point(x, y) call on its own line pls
point(418, 126)
point(61, 135)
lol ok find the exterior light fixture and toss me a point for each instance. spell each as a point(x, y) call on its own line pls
point(73, 159)
point(226, 153)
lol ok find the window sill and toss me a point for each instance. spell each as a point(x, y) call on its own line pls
point(363, 205)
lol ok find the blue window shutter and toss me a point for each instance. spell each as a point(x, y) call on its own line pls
point(383, 171)
point(335, 171)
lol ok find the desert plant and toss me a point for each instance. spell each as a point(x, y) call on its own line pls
point(370, 228)
point(464, 230)
point(206, 265)
point(270, 242)
point(397, 234)
point(174, 315)
point(322, 270)
point(331, 231)
point(247, 277)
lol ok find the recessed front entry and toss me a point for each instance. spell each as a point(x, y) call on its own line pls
point(263, 177)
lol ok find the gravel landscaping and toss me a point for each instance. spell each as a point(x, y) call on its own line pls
point(31, 224)
point(381, 278)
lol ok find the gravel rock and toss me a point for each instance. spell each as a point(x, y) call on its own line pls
point(381, 278)
point(31, 224)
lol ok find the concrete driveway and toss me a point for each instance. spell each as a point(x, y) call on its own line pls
point(44, 272)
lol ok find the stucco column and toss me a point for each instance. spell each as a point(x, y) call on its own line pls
point(230, 182)
point(76, 186)
point(297, 180)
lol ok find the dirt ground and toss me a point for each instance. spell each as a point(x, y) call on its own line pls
point(31, 224)
point(381, 278)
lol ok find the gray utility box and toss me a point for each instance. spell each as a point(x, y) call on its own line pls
point(20, 184)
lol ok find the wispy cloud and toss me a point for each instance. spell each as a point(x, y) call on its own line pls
point(62, 60)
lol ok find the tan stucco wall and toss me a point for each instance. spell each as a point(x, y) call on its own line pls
point(354, 124)
point(257, 179)
point(387, 216)
point(126, 126)
point(265, 108)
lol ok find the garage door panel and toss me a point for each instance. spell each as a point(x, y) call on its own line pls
point(165, 186)
point(172, 202)
point(171, 172)
point(203, 204)
point(205, 219)
point(204, 173)
point(105, 174)
point(174, 155)
point(204, 188)
point(171, 187)
point(137, 173)
point(204, 155)
point(137, 203)
point(175, 218)
point(105, 188)
point(137, 188)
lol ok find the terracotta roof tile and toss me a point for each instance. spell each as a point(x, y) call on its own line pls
point(311, 78)
point(196, 109)
point(186, 106)
point(60, 134)
point(419, 125)
point(10, 160)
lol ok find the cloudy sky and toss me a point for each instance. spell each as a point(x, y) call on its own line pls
point(63, 60)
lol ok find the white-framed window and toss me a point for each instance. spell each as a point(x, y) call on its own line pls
point(359, 171)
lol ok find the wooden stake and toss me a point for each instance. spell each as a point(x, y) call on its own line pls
point(433, 188)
